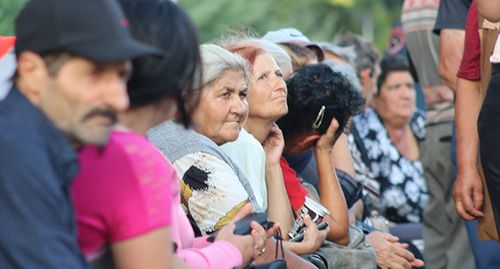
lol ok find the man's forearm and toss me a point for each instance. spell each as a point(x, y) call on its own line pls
point(332, 197)
point(467, 107)
point(342, 156)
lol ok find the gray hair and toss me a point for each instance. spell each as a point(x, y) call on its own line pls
point(345, 70)
point(282, 58)
point(279, 55)
point(216, 61)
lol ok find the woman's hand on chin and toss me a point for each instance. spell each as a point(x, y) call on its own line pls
point(273, 145)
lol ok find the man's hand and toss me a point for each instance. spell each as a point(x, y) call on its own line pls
point(390, 253)
point(313, 237)
point(468, 195)
point(326, 141)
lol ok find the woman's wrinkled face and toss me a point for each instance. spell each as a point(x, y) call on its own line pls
point(267, 94)
point(223, 108)
point(396, 99)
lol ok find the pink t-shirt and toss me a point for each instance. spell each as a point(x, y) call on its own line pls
point(129, 188)
point(122, 190)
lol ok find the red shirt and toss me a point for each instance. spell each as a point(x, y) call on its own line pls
point(470, 67)
point(296, 192)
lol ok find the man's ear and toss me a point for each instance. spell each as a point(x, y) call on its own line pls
point(304, 142)
point(32, 76)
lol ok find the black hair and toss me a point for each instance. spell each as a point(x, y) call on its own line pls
point(311, 88)
point(391, 64)
point(166, 26)
point(367, 55)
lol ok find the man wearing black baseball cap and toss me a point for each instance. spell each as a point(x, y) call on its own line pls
point(73, 62)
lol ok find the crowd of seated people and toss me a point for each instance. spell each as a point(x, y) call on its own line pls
point(190, 139)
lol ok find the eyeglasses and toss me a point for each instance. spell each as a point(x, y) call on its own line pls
point(319, 119)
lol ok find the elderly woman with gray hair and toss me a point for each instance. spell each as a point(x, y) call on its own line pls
point(214, 190)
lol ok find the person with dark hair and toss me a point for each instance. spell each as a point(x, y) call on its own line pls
point(68, 86)
point(321, 103)
point(178, 70)
point(127, 194)
point(366, 63)
point(316, 95)
point(388, 143)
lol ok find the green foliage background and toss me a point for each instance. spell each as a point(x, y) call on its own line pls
point(8, 13)
point(318, 19)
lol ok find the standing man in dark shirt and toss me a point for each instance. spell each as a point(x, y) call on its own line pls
point(70, 81)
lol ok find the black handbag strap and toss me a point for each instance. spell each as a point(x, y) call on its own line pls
point(279, 245)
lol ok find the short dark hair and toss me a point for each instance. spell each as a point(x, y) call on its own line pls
point(166, 26)
point(367, 55)
point(53, 60)
point(391, 64)
point(311, 88)
point(298, 54)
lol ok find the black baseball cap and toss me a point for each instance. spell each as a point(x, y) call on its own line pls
point(93, 29)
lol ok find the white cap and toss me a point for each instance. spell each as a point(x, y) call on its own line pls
point(294, 36)
point(284, 35)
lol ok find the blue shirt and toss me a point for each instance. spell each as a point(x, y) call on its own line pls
point(37, 165)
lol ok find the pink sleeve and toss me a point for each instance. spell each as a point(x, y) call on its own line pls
point(197, 252)
point(200, 242)
point(145, 201)
point(220, 254)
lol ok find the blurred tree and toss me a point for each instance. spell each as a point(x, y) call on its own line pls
point(8, 13)
point(318, 19)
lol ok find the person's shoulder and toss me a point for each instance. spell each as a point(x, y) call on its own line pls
point(17, 143)
point(123, 149)
point(138, 150)
point(246, 144)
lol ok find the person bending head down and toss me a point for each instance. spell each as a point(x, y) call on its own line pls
point(316, 95)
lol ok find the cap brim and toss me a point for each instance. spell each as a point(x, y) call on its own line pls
point(114, 51)
point(319, 51)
